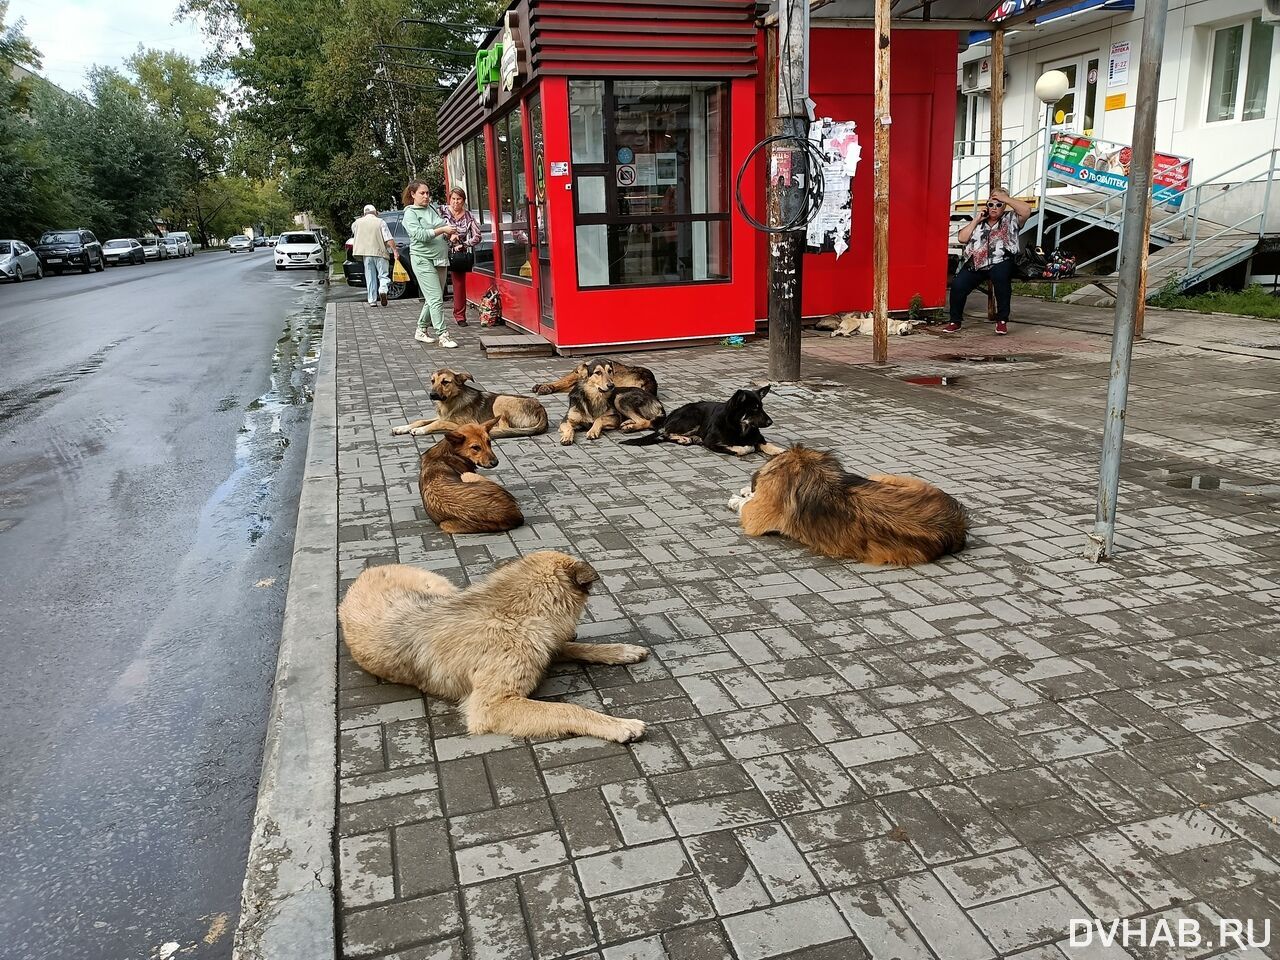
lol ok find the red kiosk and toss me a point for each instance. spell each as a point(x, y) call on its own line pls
point(599, 142)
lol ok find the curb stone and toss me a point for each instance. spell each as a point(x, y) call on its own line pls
point(287, 903)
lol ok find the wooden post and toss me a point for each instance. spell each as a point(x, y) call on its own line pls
point(880, 247)
point(787, 193)
point(997, 108)
point(1140, 310)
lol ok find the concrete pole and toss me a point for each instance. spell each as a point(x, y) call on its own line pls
point(880, 216)
point(1044, 175)
point(787, 192)
point(1129, 289)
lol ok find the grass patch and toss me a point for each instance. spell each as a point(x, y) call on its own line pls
point(1252, 301)
point(1045, 291)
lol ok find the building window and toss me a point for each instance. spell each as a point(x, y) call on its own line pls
point(477, 177)
point(967, 144)
point(1240, 72)
point(513, 198)
point(651, 180)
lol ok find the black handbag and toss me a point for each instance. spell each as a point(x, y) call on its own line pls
point(461, 259)
point(1031, 263)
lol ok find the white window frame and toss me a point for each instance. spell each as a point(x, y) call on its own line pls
point(1242, 73)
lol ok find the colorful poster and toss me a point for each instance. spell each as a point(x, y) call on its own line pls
point(1103, 165)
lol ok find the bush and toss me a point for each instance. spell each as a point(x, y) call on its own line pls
point(1252, 301)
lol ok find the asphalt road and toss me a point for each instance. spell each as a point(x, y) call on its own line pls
point(153, 425)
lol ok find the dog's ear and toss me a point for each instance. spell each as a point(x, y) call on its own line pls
point(761, 391)
point(455, 438)
point(490, 424)
point(462, 376)
point(583, 574)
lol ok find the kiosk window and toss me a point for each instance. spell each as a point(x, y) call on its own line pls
point(651, 180)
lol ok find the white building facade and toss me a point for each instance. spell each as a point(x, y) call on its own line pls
point(1219, 100)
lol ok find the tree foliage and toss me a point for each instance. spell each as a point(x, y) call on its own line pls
point(341, 120)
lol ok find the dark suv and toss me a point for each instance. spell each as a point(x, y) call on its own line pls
point(61, 250)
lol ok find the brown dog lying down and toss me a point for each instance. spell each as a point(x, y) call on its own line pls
point(596, 405)
point(806, 495)
point(623, 376)
point(488, 646)
point(455, 496)
point(457, 403)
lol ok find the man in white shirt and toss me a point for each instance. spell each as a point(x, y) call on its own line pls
point(371, 240)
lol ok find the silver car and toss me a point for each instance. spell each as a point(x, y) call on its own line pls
point(18, 262)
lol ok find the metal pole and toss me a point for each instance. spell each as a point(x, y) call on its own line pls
point(1044, 178)
point(787, 192)
point(1129, 286)
point(880, 206)
point(1266, 195)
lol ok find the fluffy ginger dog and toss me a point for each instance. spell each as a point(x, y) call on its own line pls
point(486, 647)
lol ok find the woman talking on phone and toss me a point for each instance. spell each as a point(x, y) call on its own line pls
point(990, 249)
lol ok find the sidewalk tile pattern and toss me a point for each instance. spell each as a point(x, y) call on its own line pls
point(952, 762)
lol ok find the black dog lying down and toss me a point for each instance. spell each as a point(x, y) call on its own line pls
point(732, 427)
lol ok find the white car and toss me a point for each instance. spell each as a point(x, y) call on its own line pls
point(239, 242)
point(18, 261)
point(185, 247)
point(300, 248)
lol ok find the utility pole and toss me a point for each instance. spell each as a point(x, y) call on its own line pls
point(787, 190)
point(1130, 288)
point(880, 205)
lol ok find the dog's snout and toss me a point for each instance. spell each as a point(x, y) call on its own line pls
point(767, 421)
point(435, 395)
point(492, 461)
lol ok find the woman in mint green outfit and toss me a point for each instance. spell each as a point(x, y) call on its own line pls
point(429, 236)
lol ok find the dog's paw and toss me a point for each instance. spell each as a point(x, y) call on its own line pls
point(401, 430)
point(542, 389)
point(419, 431)
point(740, 499)
point(625, 731)
point(631, 653)
point(594, 434)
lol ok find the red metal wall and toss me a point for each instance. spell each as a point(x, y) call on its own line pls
point(922, 105)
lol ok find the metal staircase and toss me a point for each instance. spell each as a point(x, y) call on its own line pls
point(1193, 243)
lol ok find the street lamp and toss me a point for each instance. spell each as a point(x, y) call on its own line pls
point(1050, 88)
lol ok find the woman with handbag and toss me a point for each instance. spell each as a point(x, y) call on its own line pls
point(462, 256)
point(990, 251)
point(429, 252)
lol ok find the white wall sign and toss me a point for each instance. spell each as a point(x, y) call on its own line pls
point(646, 170)
point(511, 66)
point(1118, 65)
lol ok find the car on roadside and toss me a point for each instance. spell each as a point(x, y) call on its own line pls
point(300, 248)
point(62, 250)
point(19, 262)
point(154, 249)
point(239, 242)
point(172, 247)
point(185, 247)
point(123, 250)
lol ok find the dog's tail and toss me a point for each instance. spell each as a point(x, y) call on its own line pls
point(646, 441)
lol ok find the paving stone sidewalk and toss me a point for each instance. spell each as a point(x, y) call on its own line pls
point(953, 761)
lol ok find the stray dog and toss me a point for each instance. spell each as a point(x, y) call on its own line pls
point(457, 403)
point(454, 495)
point(732, 427)
point(595, 400)
point(488, 646)
point(852, 324)
point(806, 495)
point(623, 376)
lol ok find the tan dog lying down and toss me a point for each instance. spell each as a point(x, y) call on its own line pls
point(488, 646)
point(458, 402)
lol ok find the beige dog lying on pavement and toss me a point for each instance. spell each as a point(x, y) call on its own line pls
point(488, 646)
point(458, 403)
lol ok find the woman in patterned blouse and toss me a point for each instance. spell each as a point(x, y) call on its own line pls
point(466, 238)
point(990, 249)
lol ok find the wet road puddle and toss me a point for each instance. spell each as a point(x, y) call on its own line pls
point(261, 439)
point(1212, 481)
point(15, 404)
point(998, 357)
point(933, 380)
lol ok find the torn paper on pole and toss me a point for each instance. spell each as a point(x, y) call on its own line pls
point(829, 231)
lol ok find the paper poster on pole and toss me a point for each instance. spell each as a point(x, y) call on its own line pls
point(1118, 64)
point(646, 170)
point(829, 231)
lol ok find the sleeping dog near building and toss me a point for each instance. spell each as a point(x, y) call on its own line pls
point(730, 427)
point(623, 376)
point(597, 404)
point(806, 495)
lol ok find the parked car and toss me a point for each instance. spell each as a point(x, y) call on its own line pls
point(172, 247)
point(123, 250)
point(271, 241)
point(185, 247)
point(259, 242)
point(239, 242)
point(61, 250)
point(353, 270)
point(300, 248)
point(18, 262)
point(154, 249)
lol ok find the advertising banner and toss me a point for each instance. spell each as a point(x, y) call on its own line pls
point(1104, 165)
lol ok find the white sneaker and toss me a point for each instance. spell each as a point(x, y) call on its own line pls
point(421, 337)
point(448, 342)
